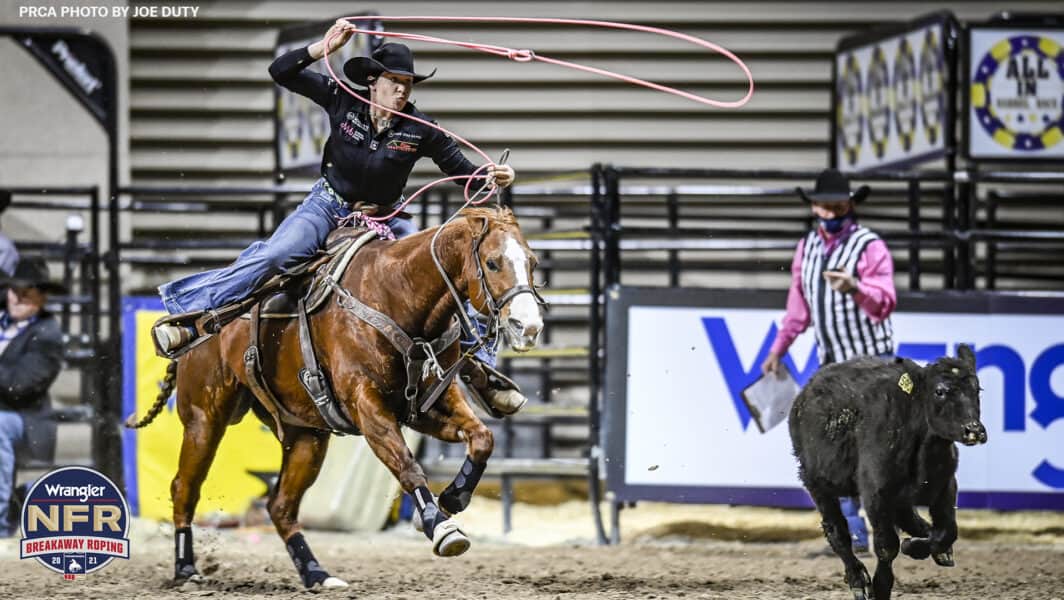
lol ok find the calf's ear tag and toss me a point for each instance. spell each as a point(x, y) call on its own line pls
point(906, 383)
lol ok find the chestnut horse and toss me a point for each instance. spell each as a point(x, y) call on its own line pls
point(487, 261)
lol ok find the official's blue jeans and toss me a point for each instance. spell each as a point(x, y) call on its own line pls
point(858, 529)
point(296, 239)
point(11, 430)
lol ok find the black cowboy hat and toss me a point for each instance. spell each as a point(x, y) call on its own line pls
point(832, 186)
point(391, 58)
point(33, 273)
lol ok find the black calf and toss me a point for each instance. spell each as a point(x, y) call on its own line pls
point(898, 422)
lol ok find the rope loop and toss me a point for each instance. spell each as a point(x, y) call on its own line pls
point(525, 55)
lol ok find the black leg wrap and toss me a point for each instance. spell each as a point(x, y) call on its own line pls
point(184, 560)
point(456, 497)
point(430, 513)
point(309, 570)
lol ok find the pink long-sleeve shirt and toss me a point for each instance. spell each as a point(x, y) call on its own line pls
point(875, 293)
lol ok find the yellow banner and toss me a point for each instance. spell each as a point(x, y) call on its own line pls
point(151, 454)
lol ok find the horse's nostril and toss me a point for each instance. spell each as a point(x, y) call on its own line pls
point(516, 324)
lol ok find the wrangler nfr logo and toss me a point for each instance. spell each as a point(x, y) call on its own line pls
point(75, 521)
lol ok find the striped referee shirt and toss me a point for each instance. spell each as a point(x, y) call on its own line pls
point(843, 331)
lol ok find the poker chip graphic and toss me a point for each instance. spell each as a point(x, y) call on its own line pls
point(850, 111)
point(879, 101)
point(932, 87)
point(1017, 93)
point(905, 89)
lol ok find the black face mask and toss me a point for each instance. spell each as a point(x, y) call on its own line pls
point(835, 225)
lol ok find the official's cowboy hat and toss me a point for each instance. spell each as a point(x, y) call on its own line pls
point(33, 273)
point(832, 186)
point(391, 58)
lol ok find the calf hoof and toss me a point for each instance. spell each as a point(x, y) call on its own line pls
point(862, 591)
point(448, 539)
point(918, 548)
point(944, 559)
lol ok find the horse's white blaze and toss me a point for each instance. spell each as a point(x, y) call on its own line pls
point(523, 307)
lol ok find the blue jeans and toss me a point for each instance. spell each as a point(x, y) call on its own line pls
point(296, 239)
point(858, 529)
point(11, 430)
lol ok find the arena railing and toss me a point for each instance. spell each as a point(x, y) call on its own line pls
point(79, 311)
point(621, 236)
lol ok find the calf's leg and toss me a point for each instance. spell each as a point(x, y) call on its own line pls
point(944, 528)
point(911, 522)
point(886, 544)
point(837, 533)
point(937, 542)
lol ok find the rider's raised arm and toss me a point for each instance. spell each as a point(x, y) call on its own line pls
point(289, 71)
point(445, 152)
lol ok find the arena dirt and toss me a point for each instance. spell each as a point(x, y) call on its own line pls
point(670, 552)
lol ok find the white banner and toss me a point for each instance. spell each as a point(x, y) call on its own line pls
point(1016, 93)
point(890, 100)
point(685, 425)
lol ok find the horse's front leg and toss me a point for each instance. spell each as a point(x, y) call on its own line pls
point(381, 429)
point(452, 420)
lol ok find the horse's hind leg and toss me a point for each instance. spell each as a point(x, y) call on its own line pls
point(381, 430)
point(303, 455)
point(204, 410)
point(453, 421)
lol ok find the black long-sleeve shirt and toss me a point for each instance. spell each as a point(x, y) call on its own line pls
point(360, 163)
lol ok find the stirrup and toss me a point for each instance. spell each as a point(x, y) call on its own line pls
point(182, 321)
point(495, 393)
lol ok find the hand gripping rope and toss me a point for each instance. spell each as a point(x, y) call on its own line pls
point(523, 56)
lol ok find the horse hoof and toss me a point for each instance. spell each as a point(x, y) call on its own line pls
point(186, 574)
point(333, 582)
point(859, 594)
point(944, 559)
point(448, 539)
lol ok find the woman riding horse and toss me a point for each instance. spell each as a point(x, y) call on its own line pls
point(480, 257)
point(367, 160)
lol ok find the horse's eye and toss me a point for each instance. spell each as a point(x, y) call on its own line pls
point(940, 392)
point(492, 265)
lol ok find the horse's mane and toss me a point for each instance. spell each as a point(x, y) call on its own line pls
point(494, 213)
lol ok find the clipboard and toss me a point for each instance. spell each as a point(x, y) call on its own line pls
point(769, 399)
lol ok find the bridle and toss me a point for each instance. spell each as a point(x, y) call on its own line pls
point(494, 305)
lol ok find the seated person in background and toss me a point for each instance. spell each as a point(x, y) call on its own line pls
point(31, 354)
point(8, 252)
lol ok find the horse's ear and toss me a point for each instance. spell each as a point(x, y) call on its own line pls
point(478, 225)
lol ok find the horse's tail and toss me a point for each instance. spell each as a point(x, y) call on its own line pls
point(166, 387)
